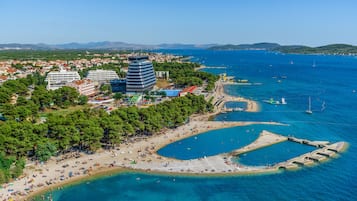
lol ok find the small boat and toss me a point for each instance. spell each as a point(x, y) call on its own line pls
point(323, 106)
point(276, 102)
point(314, 64)
point(238, 109)
point(272, 101)
point(309, 111)
point(283, 101)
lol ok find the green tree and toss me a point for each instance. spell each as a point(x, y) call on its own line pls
point(19, 167)
point(42, 97)
point(118, 96)
point(65, 96)
point(82, 100)
point(45, 151)
point(4, 95)
point(106, 89)
point(3, 178)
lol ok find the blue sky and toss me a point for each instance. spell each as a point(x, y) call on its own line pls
point(308, 22)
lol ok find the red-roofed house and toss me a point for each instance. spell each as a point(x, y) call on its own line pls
point(11, 70)
point(186, 90)
point(3, 78)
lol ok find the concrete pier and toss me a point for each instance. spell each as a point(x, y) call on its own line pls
point(319, 144)
point(265, 138)
point(315, 156)
point(223, 164)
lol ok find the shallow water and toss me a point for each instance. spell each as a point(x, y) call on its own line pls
point(212, 142)
point(273, 154)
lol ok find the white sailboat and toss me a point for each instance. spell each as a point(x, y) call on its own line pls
point(309, 111)
point(314, 64)
point(283, 101)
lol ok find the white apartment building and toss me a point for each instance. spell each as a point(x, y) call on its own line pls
point(58, 79)
point(102, 76)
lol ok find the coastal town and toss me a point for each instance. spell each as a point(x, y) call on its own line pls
point(90, 72)
point(140, 153)
point(59, 74)
point(178, 100)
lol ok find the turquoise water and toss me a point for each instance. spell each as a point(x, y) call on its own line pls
point(212, 143)
point(332, 81)
point(234, 104)
point(273, 154)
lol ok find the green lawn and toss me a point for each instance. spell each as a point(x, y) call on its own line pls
point(62, 111)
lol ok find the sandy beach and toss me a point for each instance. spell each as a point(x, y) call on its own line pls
point(139, 154)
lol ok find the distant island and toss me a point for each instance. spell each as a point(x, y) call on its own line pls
point(334, 49)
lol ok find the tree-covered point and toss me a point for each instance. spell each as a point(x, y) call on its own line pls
point(86, 130)
point(91, 129)
point(22, 135)
point(184, 74)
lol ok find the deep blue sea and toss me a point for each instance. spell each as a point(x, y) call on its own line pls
point(330, 81)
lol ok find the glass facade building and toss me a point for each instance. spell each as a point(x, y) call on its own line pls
point(140, 76)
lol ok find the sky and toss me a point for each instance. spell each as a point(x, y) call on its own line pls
point(288, 22)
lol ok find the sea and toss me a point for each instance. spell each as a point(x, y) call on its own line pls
point(330, 82)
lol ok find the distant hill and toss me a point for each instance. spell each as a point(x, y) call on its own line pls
point(184, 46)
point(255, 46)
point(338, 49)
point(100, 45)
point(72, 46)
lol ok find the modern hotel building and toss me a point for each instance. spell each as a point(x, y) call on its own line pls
point(140, 76)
